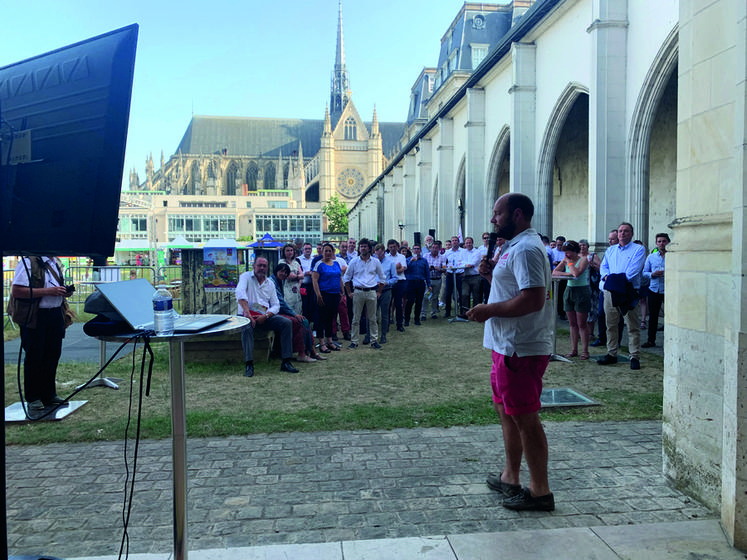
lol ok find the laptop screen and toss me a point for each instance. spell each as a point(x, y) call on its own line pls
point(133, 299)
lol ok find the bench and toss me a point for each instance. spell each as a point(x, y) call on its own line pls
point(226, 348)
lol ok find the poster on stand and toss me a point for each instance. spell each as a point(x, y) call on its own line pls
point(221, 266)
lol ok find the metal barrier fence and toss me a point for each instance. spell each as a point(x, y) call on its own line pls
point(85, 279)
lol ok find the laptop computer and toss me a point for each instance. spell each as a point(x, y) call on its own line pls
point(133, 299)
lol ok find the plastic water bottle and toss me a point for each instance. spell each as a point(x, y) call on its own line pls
point(163, 312)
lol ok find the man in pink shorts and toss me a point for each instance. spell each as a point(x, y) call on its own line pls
point(518, 330)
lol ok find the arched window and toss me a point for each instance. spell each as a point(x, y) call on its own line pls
point(251, 177)
point(351, 131)
point(270, 176)
point(232, 175)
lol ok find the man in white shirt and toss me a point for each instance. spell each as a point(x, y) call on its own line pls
point(307, 286)
point(518, 330)
point(258, 300)
point(471, 280)
point(454, 275)
point(364, 280)
point(398, 288)
point(436, 266)
point(624, 261)
point(352, 253)
point(40, 280)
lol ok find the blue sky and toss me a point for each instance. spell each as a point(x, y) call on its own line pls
point(251, 59)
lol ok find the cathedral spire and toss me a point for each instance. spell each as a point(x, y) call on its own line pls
point(374, 124)
point(327, 123)
point(340, 82)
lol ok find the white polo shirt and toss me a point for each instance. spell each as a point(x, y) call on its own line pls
point(522, 264)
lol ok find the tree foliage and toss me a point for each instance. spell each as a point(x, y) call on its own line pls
point(337, 215)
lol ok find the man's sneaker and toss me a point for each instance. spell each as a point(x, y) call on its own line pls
point(417, 323)
point(352, 346)
point(598, 342)
point(422, 317)
point(524, 501)
point(36, 406)
point(495, 483)
point(648, 345)
point(434, 316)
point(249, 371)
point(383, 339)
point(634, 363)
point(376, 346)
point(608, 360)
point(346, 336)
point(366, 340)
point(407, 324)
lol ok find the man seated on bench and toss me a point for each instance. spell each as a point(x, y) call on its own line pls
point(259, 302)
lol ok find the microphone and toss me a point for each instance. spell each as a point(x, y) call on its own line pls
point(491, 245)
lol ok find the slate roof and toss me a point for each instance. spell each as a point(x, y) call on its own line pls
point(265, 137)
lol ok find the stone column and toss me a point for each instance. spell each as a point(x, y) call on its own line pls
point(381, 202)
point(390, 206)
point(409, 197)
point(398, 207)
point(705, 375)
point(609, 203)
point(475, 193)
point(426, 219)
point(523, 158)
point(447, 212)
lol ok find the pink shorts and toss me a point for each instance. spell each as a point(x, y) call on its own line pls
point(517, 382)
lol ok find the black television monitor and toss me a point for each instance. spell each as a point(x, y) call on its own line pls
point(63, 130)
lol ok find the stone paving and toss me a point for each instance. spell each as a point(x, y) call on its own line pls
point(66, 500)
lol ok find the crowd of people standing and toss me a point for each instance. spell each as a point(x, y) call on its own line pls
point(619, 290)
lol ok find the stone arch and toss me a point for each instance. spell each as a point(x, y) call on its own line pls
point(546, 166)
point(497, 181)
point(654, 85)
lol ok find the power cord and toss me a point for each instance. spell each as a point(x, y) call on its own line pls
point(124, 547)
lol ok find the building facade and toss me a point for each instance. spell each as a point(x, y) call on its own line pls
point(235, 176)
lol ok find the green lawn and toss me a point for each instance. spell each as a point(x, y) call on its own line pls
point(433, 375)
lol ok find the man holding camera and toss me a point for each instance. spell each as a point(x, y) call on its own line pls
point(42, 327)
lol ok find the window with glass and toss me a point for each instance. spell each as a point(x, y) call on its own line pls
point(351, 132)
point(479, 52)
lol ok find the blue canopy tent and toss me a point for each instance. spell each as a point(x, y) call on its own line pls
point(268, 248)
point(266, 242)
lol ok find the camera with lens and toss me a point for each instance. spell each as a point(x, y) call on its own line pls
point(70, 288)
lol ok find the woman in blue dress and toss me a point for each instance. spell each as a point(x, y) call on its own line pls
point(326, 276)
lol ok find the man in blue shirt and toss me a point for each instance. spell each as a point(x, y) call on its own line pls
point(626, 260)
point(654, 271)
point(385, 301)
point(418, 279)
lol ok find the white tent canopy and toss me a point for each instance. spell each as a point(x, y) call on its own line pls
point(179, 242)
point(222, 243)
point(132, 245)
